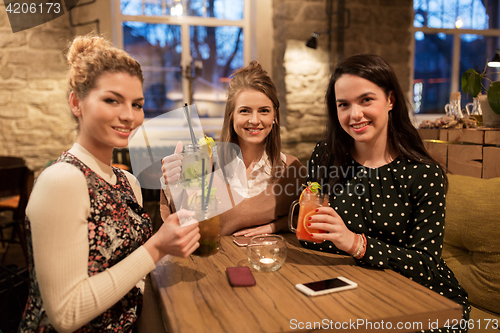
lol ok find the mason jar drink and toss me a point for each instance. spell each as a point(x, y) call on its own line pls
point(209, 224)
point(192, 165)
point(308, 202)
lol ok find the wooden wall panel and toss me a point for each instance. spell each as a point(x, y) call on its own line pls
point(465, 160)
point(443, 134)
point(428, 134)
point(475, 157)
point(491, 162)
point(466, 135)
point(492, 137)
point(438, 151)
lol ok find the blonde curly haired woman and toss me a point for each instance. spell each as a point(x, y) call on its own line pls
point(89, 238)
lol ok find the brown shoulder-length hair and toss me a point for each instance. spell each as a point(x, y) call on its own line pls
point(253, 77)
point(402, 135)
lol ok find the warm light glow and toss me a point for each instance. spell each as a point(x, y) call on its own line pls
point(495, 62)
point(177, 10)
point(267, 261)
point(459, 23)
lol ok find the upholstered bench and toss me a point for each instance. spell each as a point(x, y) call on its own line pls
point(472, 244)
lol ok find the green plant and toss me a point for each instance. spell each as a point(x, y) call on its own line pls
point(472, 83)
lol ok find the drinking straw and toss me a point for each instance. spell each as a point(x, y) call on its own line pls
point(210, 185)
point(147, 144)
point(202, 184)
point(188, 118)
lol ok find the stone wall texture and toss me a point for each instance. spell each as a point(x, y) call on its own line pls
point(34, 112)
point(302, 74)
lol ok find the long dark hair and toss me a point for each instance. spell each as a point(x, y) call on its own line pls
point(254, 77)
point(402, 136)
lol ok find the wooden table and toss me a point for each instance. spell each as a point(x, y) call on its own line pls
point(195, 295)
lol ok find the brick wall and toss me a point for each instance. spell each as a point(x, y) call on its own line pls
point(301, 74)
point(34, 113)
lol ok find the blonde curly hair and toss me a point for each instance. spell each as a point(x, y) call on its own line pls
point(91, 56)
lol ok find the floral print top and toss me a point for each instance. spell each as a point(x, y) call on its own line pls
point(117, 226)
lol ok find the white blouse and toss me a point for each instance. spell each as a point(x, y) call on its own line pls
point(257, 180)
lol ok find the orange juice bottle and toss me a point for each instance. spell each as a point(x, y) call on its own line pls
point(308, 205)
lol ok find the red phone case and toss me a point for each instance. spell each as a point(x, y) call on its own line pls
point(240, 276)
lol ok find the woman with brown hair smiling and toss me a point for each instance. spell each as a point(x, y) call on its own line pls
point(252, 122)
point(387, 200)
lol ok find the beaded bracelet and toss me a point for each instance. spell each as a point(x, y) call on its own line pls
point(362, 248)
point(355, 244)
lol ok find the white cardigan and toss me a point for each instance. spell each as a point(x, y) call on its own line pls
point(58, 210)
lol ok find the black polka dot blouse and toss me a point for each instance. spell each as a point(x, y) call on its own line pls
point(400, 207)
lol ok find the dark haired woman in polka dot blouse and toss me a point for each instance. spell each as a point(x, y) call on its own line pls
point(387, 195)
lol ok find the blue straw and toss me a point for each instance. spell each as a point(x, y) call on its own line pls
point(210, 184)
point(202, 184)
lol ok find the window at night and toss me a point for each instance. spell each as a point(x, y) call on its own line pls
point(187, 50)
point(451, 36)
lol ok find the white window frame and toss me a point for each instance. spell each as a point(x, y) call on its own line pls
point(455, 72)
point(185, 22)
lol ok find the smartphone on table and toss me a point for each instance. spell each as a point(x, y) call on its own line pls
point(241, 241)
point(323, 287)
point(240, 276)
